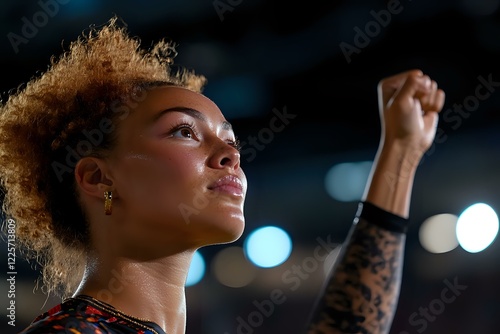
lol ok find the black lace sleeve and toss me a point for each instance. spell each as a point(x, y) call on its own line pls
point(362, 291)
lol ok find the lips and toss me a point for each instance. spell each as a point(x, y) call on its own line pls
point(228, 184)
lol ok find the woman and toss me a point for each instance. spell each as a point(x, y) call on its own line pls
point(104, 155)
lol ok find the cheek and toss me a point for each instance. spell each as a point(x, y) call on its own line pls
point(159, 181)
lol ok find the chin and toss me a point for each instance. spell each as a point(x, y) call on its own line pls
point(222, 231)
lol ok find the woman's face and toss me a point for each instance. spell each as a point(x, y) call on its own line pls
point(176, 171)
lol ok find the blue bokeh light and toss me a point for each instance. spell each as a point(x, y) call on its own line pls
point(268, 246)
point(196, 270)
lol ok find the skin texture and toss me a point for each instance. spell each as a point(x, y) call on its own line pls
point(162, 174)
point(362, 292)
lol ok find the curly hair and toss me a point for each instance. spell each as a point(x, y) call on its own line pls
point(57, 117)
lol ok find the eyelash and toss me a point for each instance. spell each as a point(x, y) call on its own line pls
point(234, 143)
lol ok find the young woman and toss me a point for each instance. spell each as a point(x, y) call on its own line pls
point(103, 155)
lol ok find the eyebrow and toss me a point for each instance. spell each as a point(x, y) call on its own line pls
point(191, 112)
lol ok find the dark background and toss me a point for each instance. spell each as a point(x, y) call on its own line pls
point(260, 55)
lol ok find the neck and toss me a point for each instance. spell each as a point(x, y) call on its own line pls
point(152, 290)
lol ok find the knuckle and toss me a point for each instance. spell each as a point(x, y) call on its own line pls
point(413, 79)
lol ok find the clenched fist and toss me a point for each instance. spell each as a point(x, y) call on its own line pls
point(409, 104)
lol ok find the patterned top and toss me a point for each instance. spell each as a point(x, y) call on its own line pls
point(85, 315)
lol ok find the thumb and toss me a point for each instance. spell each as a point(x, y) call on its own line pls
point(430, 119)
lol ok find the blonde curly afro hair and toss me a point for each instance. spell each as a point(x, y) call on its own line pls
point(45, 122)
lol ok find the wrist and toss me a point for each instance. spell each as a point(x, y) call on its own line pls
point(403, 156)
point(392, 177)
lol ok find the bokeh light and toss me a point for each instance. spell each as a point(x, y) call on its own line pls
point(268, 246)
point(437, 234)
point(346, 182)
point(231, 267)
point(477, 227)
point(196, 270)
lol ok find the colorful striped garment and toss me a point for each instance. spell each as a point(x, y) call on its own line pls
point(86, 315)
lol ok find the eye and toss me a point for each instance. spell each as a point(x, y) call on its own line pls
point(184, 132)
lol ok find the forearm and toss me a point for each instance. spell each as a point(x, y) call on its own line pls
point(362, 292)
point(391, 180)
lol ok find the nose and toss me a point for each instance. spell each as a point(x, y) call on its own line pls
point(224, 155)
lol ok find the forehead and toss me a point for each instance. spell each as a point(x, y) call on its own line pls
point(164, 97)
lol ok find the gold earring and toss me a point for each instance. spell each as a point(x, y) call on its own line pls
point(108, 202)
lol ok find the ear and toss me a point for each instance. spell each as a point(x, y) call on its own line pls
point(92, 176)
